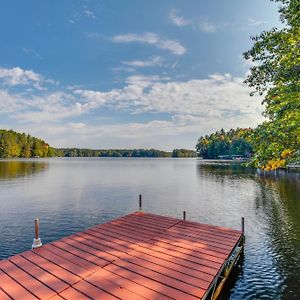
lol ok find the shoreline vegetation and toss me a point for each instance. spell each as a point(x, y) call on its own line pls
point(14, 145)
point(233, 146)
point(77, 152)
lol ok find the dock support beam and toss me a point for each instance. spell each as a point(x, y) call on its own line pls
point(140, 202)
point(37, 240)
point(184, 215)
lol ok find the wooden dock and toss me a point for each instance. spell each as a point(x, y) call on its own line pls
point(138, 256)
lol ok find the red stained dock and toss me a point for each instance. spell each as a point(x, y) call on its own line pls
point(138, 256)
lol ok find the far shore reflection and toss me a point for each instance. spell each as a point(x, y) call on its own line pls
point(10, 169)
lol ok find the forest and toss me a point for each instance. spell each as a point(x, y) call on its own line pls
point(225, 143)
point(76, 152)
point(14, 144)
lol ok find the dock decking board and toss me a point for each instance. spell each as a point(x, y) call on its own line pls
point(138, 256)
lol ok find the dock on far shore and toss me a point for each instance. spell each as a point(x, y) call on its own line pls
point(138, 256)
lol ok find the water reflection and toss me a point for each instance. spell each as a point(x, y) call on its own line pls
point(280, 201)
point(10, 169)
point(272, 256)
point(224, 170)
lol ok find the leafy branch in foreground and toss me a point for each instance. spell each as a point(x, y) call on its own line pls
point(276, 75)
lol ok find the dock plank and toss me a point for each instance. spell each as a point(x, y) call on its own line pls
point(82, 254)
point(172, 273)
point(127, 248)
point(149, 283)
point(137, 252)
point(13, 288)
point(48, 279)
point(138, 256)
point(98, 277)
point(160, 277)
point(85, 264)
point(92, 291)
point(33, 285)
point(63, 262)
point(4, 296)
point(72, 294)
point(51, 268)
point(105, 289)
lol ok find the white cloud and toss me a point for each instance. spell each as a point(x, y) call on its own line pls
point(178, 20)
point(254, 22)
point(123, 69)
point(191, 108)
point(216, 99)
point(206, 26)
point(83, 12)
point(47, 107)
point(17, 76)
point(89, 14)
point(142, 80)
point(219, 97)
point(202, 23)
point(29, 51)
point(152, 62)
point(9, 103)
point(131, 135)
point(152, 39)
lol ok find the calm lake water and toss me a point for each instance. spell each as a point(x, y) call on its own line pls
point(69, 195)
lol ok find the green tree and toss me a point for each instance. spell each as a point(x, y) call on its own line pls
point(233, 142)
point(276, 75)
point(14, 144)
point(183, 153)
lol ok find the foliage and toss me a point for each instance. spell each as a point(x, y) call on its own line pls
point(232, 142)
point(276, 75)
point(14, 144)
point(183, 153)
point(74, 152)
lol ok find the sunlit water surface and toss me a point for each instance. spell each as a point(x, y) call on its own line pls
point(69, 195)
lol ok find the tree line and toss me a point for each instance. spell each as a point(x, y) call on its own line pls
point(76, 152)
point(14, 144)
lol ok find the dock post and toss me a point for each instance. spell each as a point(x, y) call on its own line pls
point(37, 240)
point(243, 225)
point(243, 236)
point(184, 215)
point(140, 202)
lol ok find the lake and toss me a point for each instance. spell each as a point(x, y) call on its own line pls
point(71, 194)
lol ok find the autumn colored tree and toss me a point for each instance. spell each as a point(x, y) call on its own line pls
point(14, 144)
point(232, 142)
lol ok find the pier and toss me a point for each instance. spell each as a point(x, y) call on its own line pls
point(138, 256)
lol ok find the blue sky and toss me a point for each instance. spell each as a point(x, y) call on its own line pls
point(128, 74)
